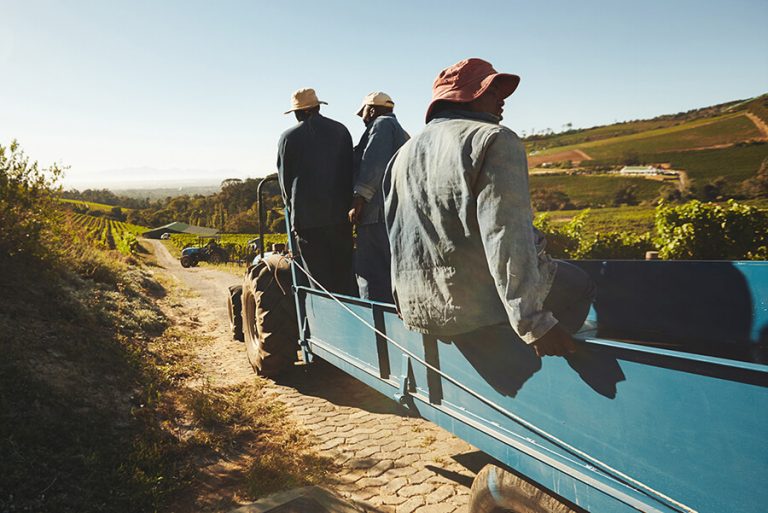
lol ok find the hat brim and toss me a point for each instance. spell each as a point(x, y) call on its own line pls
point(506, 82)
point(362, 107)
point(305, 107)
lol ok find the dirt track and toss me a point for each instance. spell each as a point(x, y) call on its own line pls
point(388, 462)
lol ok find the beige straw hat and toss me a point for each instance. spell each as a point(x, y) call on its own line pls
point(377, 98)
point(304, 99)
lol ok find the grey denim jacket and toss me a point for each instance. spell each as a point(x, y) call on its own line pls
point(458, 213)
point(381, 139)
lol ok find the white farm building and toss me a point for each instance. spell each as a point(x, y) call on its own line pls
point(645, 170)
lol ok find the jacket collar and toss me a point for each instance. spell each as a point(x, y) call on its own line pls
point(465, 114)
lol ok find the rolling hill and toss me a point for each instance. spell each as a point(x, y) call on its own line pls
point(728, 140)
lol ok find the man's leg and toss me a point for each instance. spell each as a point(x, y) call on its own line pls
point(362, 261)
point(570, 297)
point(372, 263)
point(339, 246)
point(314, 248)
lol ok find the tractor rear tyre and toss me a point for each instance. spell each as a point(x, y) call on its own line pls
point(218, 257)
point(269, 316)
point(235, 311)
point(186, 262)
point(498, 491)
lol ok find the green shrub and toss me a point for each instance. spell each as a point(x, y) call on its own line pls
point(562, 240)
point(614, 245)
point(706, 231)
point(28, 205)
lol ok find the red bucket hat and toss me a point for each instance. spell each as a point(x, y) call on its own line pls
point(467, 80)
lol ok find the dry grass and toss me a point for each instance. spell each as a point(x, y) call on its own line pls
point(105, 407)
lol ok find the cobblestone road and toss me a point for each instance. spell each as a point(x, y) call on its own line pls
point(388, 460)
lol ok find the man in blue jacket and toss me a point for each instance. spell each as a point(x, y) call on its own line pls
point(465, 256)
point(382, 138)
point(314, 163)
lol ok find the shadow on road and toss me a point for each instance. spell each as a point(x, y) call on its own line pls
point(321, 379)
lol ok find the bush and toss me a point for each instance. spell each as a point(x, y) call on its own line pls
point(570, 241)
point(550, 199)
point(627, 195)
point(563, 240)
point(705, 231)
point(757, 187)
point(618, 245)
point(28, 206)
point(670, 194)
point(713, 190)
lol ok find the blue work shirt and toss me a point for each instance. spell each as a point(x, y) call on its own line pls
point(314, 164)
point(459, 218)
point(382, 138)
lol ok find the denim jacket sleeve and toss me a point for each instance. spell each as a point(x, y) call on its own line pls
point(376, 155)
point(505, 221)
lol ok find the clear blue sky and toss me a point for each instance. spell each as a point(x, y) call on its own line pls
point(167, 90)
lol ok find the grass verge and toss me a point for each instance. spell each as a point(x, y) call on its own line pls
point(103, 407)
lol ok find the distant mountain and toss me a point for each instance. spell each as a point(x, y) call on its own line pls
point(154, 193)
point(147, 178)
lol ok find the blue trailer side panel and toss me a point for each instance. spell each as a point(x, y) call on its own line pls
point(689, 428)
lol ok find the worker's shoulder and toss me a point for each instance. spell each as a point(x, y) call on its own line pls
point(293, 132)
point(385, 121)
point(494, 130)
point(330, 124)
point(312, 125)
point(506, 135)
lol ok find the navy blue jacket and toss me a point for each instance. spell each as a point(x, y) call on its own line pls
point(314, 164)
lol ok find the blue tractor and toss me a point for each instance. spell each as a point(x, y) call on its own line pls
point(210, 252)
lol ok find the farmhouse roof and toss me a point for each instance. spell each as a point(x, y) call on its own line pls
point(638, 168)
point(177, 227)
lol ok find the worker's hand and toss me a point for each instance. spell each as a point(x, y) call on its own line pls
point(556, 342)
point(357, 206)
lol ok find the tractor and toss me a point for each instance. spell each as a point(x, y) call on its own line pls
point(210, 252)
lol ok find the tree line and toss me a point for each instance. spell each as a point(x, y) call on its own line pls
point(234, 209)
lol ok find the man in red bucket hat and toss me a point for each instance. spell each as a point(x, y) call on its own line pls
point(466, 259)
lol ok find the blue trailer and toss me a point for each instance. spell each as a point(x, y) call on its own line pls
point(662, 408)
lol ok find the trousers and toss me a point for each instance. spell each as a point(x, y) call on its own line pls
point(372, 263)
point(327, 255)
point(571, 296)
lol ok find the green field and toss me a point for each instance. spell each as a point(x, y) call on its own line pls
point(728, 129)
point(599, 133)
point(638, 219)
point(736, 163)
point(664, 140)
point(89, 205)
point(595, 189)
point(759, 107)
point(580, 136)
point(107, 233)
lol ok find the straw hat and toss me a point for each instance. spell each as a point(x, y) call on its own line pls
point(376, 98)
point(304, 99)
point(467, 80)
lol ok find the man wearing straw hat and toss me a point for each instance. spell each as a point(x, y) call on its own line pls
point(466, 261)
point(383, 136)
point(314, 163)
